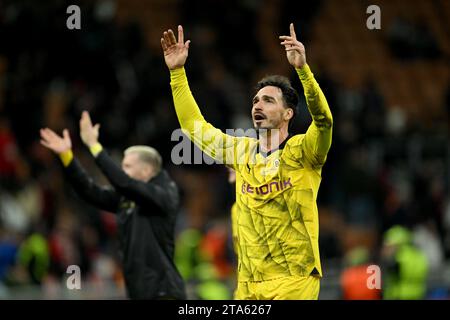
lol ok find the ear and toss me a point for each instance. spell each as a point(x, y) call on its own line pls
point(288, 114)
point(149, 171)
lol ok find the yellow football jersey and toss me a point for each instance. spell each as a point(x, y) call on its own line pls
point(234, 232)
point(277, 223)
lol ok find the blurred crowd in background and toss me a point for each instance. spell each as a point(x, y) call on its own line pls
point(384, 197)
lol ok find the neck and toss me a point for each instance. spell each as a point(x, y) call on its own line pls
point(270, 139)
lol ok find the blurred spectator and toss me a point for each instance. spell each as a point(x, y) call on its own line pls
point(9, 155)
point(199, 266)
point(34, 256)
point(410, 40)
point(354, 277)
point(405, 267)
point(214, 244)
point(8, 252)
point(426, 238)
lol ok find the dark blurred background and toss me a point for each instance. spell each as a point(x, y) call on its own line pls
point(388, 89)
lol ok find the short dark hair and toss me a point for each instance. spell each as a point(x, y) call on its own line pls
point(289, 94)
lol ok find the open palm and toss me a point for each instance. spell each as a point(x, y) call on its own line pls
point(88, 132)
point(58, 144)
point(175, 53)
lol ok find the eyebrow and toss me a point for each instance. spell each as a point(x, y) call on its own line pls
point(270, 98)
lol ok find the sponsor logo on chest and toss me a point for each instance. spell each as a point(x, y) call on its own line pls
point(267, 188)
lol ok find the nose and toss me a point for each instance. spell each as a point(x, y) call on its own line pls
point(257, 106)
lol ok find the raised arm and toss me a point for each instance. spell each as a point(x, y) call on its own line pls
point(102, 197)
point(317, 140)
point(210, 140)
point(175, 55)
point(147, 194)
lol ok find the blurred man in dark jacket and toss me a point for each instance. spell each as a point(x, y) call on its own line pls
point(146, 201)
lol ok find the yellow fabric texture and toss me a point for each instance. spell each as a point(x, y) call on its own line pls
point(286, 288)
point(234, 232)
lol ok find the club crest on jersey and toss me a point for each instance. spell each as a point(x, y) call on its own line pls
point(271, 169)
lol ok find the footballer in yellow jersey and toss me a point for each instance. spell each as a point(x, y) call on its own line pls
point(277, 174)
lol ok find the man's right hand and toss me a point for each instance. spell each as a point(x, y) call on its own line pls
point(175, 53)
point(54, 142)
point(88, 132)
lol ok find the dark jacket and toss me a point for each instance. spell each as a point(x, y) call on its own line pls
point(146, 214)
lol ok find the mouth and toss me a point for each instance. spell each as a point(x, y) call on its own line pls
point(259, 117)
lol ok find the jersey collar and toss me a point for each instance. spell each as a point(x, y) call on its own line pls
point(280, 147)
